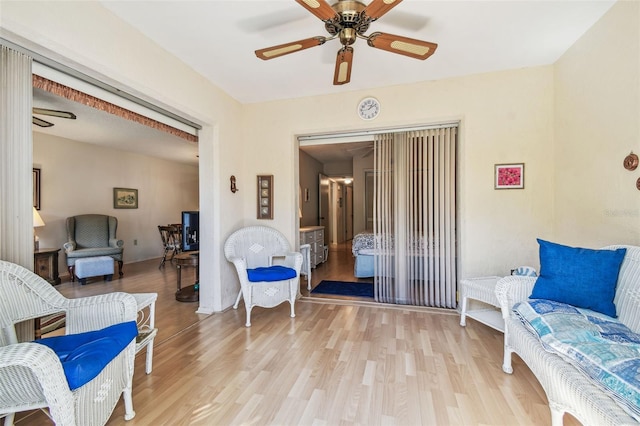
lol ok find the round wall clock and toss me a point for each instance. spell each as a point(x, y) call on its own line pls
point(631, 161)
point(368, 108)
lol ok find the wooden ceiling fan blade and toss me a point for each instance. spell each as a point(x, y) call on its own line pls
point(377, 8)
point(320, 8)
point(54, 113)
point(39, 122)
point(285, 49)
point(411, 47)
point(344, 60)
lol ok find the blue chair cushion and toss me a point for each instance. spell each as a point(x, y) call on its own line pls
point(584, 278)
point(271, 273)
point(84, 355)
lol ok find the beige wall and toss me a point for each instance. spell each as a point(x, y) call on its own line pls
point(78, 178)
point(310, 168)
point(505, 117)
point(597, 103)
point(360, 166)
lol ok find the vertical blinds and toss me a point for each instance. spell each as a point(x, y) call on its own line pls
point(16, 158)
point(415, 217)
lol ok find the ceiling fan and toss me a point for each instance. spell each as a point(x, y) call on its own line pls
point(50, 112)
point(348, 20)
point(364, 151)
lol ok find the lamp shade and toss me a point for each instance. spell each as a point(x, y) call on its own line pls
point(37, 220)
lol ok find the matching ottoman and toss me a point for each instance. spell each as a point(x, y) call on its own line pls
point(93, 267)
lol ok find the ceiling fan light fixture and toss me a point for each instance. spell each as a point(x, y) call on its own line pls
point(347, 36)
point(349, 20)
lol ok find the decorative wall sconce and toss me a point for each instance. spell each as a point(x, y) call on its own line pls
point(630, 161)
point(234, 188)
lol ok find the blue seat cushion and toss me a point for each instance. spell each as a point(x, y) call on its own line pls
point(84, 355)
point(271, 273)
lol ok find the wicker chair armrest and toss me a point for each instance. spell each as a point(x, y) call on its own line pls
point(69, 246)
point(241, 268)
point(96, 312)
point(114, 242)
point(292, 259)
point(513, 289)
point(33, 372)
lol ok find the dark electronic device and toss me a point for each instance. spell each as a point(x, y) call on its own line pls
point(190, 231)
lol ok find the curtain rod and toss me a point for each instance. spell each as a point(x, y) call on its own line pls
point(363, 134)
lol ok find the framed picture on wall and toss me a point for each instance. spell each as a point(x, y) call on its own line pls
point(36, 188)
point(265, 196)
point(509, 176)
point(125, 198)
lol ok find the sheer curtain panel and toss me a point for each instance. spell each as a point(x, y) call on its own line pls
point(415, 217)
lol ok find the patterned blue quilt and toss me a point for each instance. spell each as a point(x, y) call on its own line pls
point(600, 346)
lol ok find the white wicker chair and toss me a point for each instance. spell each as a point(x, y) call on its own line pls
point(31, 375)
point(261, 246)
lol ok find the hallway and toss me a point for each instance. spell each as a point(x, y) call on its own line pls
point(338, 267)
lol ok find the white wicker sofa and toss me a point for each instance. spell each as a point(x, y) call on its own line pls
point(568, 389)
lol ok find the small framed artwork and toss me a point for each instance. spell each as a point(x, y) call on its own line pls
point(509, 176)
point(36, 188)
point(265, 196)
point(125, 198)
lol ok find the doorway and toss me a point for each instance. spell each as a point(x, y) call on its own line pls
point(331, 178)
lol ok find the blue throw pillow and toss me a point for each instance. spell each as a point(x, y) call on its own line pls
point(581, 277)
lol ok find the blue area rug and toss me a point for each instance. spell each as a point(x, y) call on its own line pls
point(344, 288)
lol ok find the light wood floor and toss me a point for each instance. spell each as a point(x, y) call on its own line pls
point(338, 362)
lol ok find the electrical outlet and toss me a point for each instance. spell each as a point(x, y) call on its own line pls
point(135, 242)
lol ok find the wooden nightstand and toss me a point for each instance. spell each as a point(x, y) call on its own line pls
point(45, 264)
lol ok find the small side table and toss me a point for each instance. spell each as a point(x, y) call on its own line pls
point(482, 289)
point(146, 325)
point(190, 293)
point(45, 264)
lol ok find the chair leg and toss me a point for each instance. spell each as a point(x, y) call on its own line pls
point(164, 257)
point(128, 402)
point(293, 311)
point(8, 420)
point(120, 268)
point(235, 305)
point(72, 273)
point(248, 323)
point(149, 360)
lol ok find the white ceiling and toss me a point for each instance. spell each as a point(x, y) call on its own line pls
point(101, 128)
point(218, 39)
